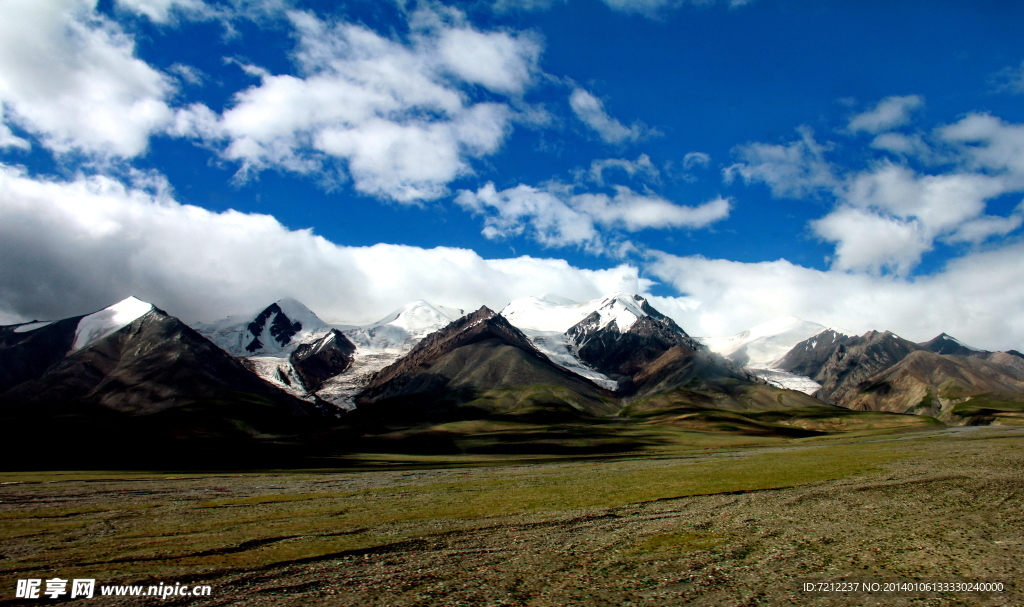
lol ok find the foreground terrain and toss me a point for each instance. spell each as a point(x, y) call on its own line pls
point(740, 527)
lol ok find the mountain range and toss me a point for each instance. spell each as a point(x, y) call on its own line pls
point(542, 375)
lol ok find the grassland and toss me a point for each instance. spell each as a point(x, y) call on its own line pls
point(835, 506)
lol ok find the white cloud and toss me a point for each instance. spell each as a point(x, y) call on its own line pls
point(590, 110)
point(498, 61)
point(868, 241)
point(793, 170)
point(1010, 79)
point(655, 8)
point(75, 246)
point(71, 247)
point(696, 159)
point(982, 228)
point(507, 6)
point(162, 11)
point(69, 76)
point(641, 167)
point(558, 217)
point(902, 145)
point(388, 111)
point(972, 298)
point(890, 113)
point(987, 142)
point(187, 73)
point(887, 216)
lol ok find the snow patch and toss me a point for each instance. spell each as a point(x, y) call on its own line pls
point(788, 381)
point(32, 326)
point(100, 324)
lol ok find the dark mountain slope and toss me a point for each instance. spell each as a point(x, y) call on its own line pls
point(622, 353)
point(944, 344)
point(27, 355)
point(459, 366)
point(152, 389)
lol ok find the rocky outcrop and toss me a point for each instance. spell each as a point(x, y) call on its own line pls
point(318, 361)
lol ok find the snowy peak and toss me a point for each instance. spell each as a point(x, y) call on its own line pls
point(278, 328)
point(98, 325)
point(554, 314)
point(762, 346)
point(416, 317)
point(401, 329)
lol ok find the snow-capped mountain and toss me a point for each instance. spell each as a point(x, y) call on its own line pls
point(98, 325)
point(94, 327)
point(761, 348)
point(582, 336)
point(288, 345)
point(403, 328)
point(380, 344)
point(276, 329)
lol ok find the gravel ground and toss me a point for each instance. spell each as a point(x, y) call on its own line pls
point(953, 511)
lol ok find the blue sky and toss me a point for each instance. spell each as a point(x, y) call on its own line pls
point(858, 164)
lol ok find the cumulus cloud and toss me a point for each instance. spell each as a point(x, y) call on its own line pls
point(497, 61)
point(71, 247)
point(890, 113)
point(396, 115)
point(989, 143)
point(887, 216)
point(74, 246)
point(69, 76)
point(902, 145)
point(590, 110)
point(556, 216)
point(794, 170)
point(971, 298)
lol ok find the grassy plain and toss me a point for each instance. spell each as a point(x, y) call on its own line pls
point(717, 511)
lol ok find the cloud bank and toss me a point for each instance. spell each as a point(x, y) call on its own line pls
point(72, 247)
